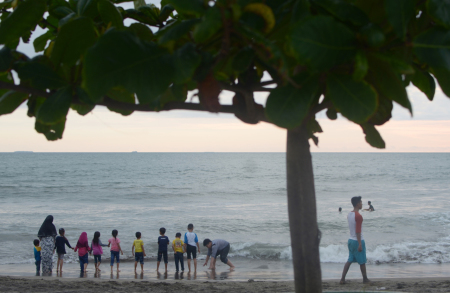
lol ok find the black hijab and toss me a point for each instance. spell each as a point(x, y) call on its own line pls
point(47, 228)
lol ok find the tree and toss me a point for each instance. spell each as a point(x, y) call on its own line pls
point(352, 57)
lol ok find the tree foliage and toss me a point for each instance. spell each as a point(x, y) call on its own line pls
point(353, 57)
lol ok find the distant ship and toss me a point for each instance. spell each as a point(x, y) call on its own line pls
point(134, 151)
point(23, 151)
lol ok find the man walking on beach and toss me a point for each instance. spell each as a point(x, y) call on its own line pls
point(217, 248)
point(356, 244)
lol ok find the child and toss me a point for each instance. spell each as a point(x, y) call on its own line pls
point(114, 242)
point(163, 242)
point(60, 246)
point(190, 241)
point(97, 250)
point(83, 249)
point(177, 246)
point(37, 256)
point(138, 251)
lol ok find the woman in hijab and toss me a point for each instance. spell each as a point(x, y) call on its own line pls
point(47, 234)
point(83, 249)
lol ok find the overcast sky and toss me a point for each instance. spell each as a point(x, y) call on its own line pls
point(189, 131)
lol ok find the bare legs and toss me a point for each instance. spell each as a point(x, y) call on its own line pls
point(189, 264)
point(230, 264)
point(363, 272)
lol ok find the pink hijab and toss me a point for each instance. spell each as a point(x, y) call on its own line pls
point(83, 240)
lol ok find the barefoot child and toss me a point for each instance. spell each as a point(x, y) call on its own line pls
point(138, 251)
point(190, 243)
point(114, 242)
point(163, 242)
point(177, 246)
point(37, 256)
point(97, 250)
point(60, 247)
point(83, 249)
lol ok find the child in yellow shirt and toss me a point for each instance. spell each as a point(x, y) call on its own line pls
point(178, 250)
point(138, 252)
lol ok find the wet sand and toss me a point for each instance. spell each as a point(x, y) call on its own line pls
point(250, 276)
point(45, 284)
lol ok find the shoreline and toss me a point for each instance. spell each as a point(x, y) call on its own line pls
point(41, 284)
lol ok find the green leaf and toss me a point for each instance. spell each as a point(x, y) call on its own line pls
point(6, 4)
point(110, 14)
point(34, 103)
point(443, 77)
point(140, 16)
point(361, 66)
point(10, 101)
point(166, 11)
point(186, 61)
point(6, 58)
point(191, 7)
point(8, 78)
point(40, 74)
point(322, 42)
point(176, 30)
point(424, 82)
point(355, 100)
point(209, 26)
point(243, 59)
point(373, 137)
point(399, 13)
point(300, 11)
point(22, 20)
point(73, 40)
point(119, 58)
point(55, 108)
point(177, 93)
point(59, 9)
point(82, 109)
point(51, 132)
point(151, 11)
point(87, 8)
point(41, 42)
point(373, 35)
point(387, 82)
point(139, 3)
point(122, 95)
point(344, 11)
point(433, 47)
point(384, 111)
point(331, 114)
point(86, 106)
point(287, 106)
point(141, 31)
point(66, 19)
point(439, 10)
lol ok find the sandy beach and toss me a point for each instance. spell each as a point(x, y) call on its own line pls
point(45, 284)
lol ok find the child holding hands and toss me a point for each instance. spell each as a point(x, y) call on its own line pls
point(83, 249)
point(114, 242)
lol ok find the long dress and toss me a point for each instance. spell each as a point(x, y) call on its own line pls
point(47, 245)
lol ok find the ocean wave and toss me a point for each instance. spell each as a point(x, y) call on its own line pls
point(407, 252)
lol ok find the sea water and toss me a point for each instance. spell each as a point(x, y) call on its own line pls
point(239, 197)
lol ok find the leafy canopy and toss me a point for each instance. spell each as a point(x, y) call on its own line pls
point(353, 57)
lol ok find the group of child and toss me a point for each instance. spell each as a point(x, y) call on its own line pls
point(190, 245)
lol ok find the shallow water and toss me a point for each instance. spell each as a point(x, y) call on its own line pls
point(240, 197)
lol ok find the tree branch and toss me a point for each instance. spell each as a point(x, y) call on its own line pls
point(108, 102)
point(24, 89)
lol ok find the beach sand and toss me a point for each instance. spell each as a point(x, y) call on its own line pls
point(250, 276)
point(45, 284)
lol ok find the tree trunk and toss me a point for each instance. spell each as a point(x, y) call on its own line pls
point(305, 234)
